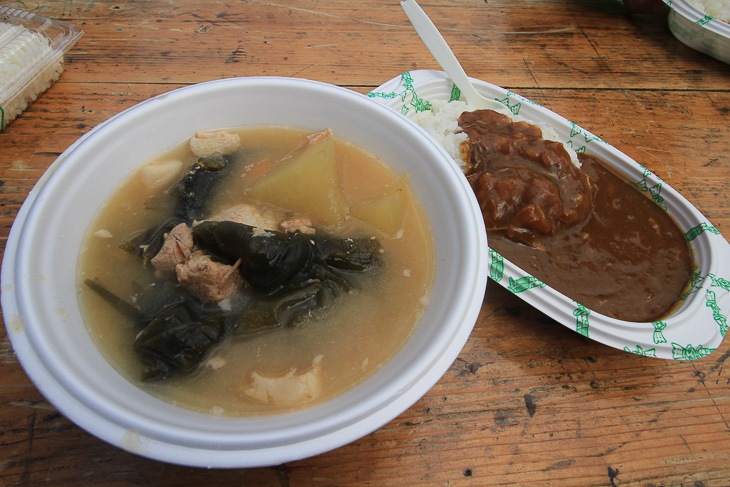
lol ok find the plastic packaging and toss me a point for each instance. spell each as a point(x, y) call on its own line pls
point(31, 58)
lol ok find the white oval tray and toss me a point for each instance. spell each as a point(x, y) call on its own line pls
point(695, 329)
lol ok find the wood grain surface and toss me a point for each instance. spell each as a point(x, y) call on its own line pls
point(527, 402)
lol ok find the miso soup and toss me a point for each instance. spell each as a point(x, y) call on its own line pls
point(253, 342)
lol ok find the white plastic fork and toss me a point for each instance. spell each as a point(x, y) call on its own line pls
point(440, 50)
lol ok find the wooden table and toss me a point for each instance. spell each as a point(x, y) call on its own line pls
point(528, 401)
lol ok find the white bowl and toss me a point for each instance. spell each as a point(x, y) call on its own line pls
point(44, 322)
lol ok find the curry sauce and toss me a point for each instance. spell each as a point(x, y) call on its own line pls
point(624, 256)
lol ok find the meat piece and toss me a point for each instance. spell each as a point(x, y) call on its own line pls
point(319, 137)
point(298, 224)
point(175, 250)
point(207, 279)
point(526, 186)
point(255, 216)
point(517, 200)
point(215, 363)
point(312, 139)
point(290, 390)
point(205, 144)
point(197, 271)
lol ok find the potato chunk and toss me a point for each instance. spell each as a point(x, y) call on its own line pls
point(312, 183)
point(385, 212)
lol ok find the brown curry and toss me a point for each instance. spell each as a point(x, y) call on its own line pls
point(585, 232)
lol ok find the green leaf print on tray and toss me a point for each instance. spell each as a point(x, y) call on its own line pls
point(699, 323)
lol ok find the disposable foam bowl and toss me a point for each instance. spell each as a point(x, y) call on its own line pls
point(51, 341)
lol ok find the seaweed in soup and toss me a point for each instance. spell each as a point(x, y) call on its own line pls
point(293, 278)
point(296, 277)
point(287, 278)
point(291, 307)
point(179, 339)
point(177, 331)
point(270, 260)
point(194, 190)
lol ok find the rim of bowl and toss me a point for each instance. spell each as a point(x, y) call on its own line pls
point(119, 414)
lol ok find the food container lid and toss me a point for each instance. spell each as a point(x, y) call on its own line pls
point(31, 57)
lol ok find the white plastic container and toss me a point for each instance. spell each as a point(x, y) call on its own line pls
point(698, 30)
point(44, 322)
point(31, 58)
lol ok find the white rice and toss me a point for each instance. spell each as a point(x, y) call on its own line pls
point(720, 9)
point(441, 122)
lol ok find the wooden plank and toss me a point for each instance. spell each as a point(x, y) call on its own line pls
point(512, 44)
point(527, 402)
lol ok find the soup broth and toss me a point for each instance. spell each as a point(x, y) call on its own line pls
point(363, 332)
